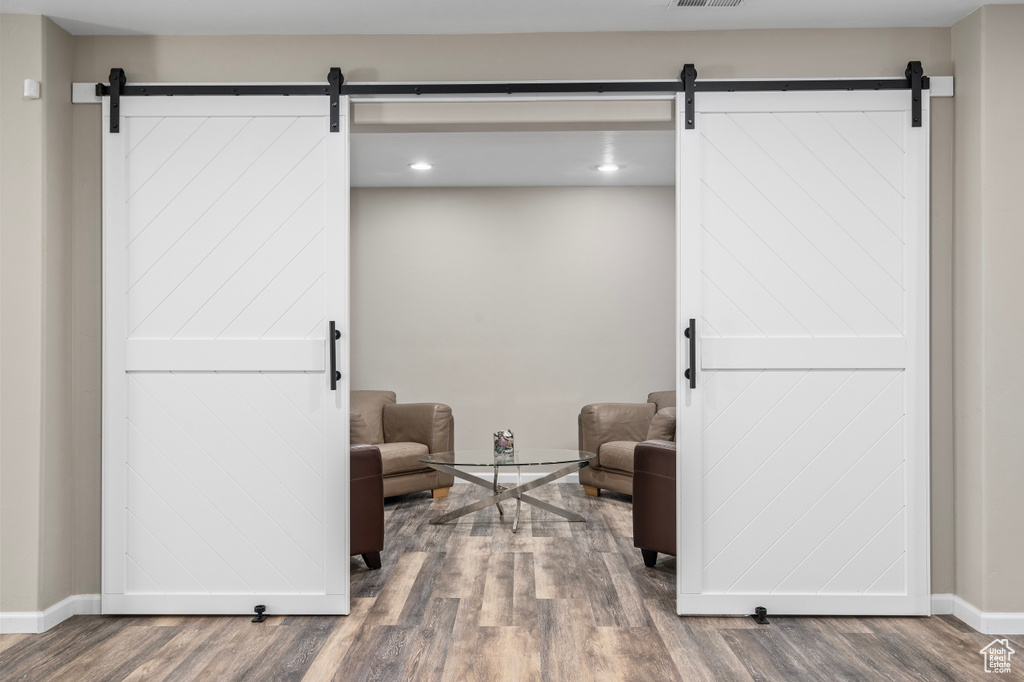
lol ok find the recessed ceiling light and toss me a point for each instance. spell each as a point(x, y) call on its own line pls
point(609, 167)
point(421, 165)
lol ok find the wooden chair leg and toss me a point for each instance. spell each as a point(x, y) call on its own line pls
point(440, 492)
point(650, 557)
point(591, 490)
point(372, 560)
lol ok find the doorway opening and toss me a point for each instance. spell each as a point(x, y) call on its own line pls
point(514, 276)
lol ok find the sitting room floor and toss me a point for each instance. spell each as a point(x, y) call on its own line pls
point(471, 601)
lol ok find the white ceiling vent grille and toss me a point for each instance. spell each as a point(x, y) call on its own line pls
point(706, 3)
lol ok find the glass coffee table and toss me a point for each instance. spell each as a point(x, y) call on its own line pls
point(446, 462)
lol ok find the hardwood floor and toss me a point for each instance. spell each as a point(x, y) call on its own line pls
point(471, 601)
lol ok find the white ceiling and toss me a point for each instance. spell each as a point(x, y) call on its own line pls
point(514, 159)
point(222, 17)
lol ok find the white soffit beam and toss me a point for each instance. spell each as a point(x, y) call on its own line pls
point(561, 111)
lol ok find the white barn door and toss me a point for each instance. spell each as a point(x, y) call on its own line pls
point(225, 449)
point(803, 461)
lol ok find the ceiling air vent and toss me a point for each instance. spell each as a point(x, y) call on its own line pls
point(706, 3)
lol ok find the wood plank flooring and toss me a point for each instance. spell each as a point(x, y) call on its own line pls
point(471, 601)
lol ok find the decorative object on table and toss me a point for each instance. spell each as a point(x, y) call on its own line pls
point(504, 446)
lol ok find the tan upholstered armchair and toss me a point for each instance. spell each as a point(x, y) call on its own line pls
point(404, 433)
point(612, 430)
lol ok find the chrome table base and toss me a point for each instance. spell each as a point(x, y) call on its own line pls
point(504, 493)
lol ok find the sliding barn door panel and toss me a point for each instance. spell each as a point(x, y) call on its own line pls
point(225, 459)
point(805, 454)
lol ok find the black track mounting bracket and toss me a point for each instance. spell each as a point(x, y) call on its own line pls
point(915, 76)
point(760, 616)
point(334, 80)
point(689, 78)
point(117, 81)
point(261, 615)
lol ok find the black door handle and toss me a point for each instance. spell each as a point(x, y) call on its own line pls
point(691, 371)
point(335, 374)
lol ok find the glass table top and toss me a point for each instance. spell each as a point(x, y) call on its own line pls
point(522, 457)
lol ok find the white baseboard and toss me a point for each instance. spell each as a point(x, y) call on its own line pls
point(985, 623)
point(34, 622)
point(942, 604)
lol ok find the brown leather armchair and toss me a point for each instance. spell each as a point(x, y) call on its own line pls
point(404, 433)
point(612, 430)
point(654, 499)
point(366, 504)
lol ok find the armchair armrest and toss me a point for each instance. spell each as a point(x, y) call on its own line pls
point(601, 423)
point(428, 423)
point(366, 501)
point(654, 498)
point(656, 458)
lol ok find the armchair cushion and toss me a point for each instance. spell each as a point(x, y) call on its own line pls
point(359, 430)
point(370, 406)
point(617, 455)
point(427, 423)
point(663, 426)
point(402, 457)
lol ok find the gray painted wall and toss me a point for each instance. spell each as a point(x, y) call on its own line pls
point(516, 306)
point(21, 310)
point(35, 241)
point(988, 51)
